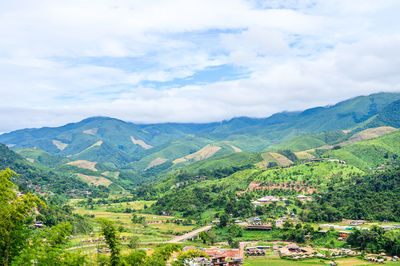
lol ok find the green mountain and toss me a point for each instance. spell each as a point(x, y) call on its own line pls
point(389, 116)
point(151, 149)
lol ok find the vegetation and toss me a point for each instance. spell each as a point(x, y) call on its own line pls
point(370, 197)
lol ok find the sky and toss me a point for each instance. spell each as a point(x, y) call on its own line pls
point(190, 61)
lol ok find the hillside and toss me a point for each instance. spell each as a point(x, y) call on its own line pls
point(36, 178)
point(145, 151)
point(377, 198)
point(370, 153)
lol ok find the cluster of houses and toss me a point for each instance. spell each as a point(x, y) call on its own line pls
point(218, 256)
point(376, 260)
point(76, 193)
point(270, 199)
point(295, 252)
point(257, 251)
point(217, 261)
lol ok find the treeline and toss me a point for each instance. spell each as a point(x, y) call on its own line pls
point(193, 201)
point(371, 197)
point(376, 240)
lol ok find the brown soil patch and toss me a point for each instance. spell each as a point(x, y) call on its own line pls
point(369, 133)
point(298, 186)
point(141, 143)
point(61, 146)
point(91, 131)
point(204, 153)
point(303, 155)
point(282, 160)
point(155, 162)
point(84, 164)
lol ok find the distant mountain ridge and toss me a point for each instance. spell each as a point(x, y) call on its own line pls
point(117, 143)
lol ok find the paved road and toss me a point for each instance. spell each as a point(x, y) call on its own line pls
point(189, 235)
point(175, 240)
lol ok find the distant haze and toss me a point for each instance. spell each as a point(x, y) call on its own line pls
point(190, 61)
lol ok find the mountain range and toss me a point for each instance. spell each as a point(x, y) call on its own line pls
point(118, 151)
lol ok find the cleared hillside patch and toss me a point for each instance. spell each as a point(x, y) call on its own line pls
point(94, 180)
point(369, 133)
point(141, 143)
point(204, 153)
point(92, 131)
point(155, 162)
point(60, 145)
point(267, 158)
point(282, 160)
point(304, 155)
point(111, 174)
point(84, 164)
point(236, 149)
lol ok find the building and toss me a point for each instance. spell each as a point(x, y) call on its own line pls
point(357, 222)
point(220, 261)
point(266, 226)
point(268, 199)
point(304, 197)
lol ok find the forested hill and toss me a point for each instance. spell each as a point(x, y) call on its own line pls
point(144, 148)
point(371, 197)
point(36, 178)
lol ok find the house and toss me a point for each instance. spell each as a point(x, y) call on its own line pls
point(388, 227)
point(304, 197)
point(38, 225)
point(218, 261)
point(343, 235)
point(235, 262)
point(357, 222)
point(266, 226)
point(268, 199)
point(293, 248)
point(198, 262)
point(257, 219)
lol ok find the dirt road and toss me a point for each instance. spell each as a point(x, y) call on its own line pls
point(189, 235)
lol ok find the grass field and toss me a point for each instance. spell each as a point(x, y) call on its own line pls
point(155, 229)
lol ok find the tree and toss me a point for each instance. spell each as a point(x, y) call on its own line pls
point(207, 237)
point(235, 230)
point(133, 242)
point(112, 239)
point(223, 219)
point(138, 220)
point(233, 243)
point(204, 236)
point(136, 257)
point(287, 225)
point(14, 211)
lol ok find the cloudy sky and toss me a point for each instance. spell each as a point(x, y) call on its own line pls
point(190, 61)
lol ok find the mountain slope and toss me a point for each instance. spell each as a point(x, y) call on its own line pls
point(370, 153)
point(33, 177)
point(132, 146)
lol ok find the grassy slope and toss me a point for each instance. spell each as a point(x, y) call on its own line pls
point(369, 153)
point(314, 174)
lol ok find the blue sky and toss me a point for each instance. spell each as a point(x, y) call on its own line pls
point(190, 61)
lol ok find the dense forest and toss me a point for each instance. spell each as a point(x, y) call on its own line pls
point(371, 197)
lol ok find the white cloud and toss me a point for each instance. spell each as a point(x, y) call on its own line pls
point(297, 54)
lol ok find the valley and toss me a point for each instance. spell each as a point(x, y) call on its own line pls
point(260, 191)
